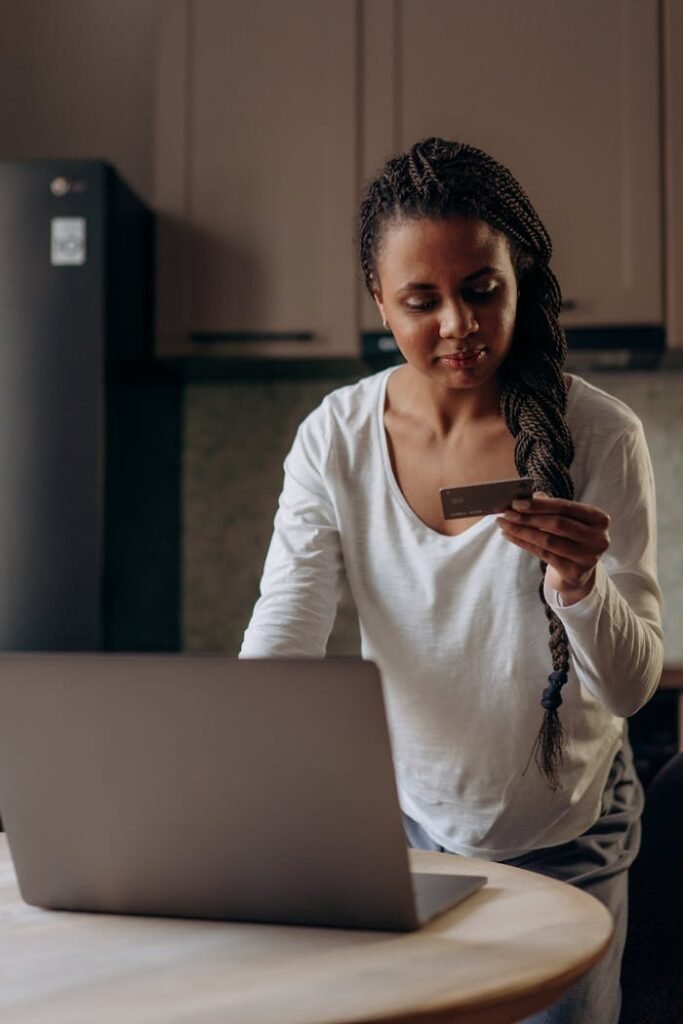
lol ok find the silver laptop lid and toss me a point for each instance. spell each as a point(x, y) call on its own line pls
point(203, 786)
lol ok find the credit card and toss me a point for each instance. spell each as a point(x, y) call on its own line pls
point(484, 499)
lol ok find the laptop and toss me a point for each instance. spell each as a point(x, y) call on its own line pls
point(209, 787)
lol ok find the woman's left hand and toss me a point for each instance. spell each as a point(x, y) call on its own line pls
point(568, 535)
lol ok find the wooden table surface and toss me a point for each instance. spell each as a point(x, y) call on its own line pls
point(508, 950)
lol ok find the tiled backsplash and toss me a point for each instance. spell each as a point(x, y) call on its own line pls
point(236, 436)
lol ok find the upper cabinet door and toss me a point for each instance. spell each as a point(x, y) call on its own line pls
point(566, 94)
point(256, 177)
point(673, 170)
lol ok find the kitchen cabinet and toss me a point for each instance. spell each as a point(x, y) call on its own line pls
point(673, 168)
point(256, 177)
point(270, 115)
point(566, 94)
point(656, 731)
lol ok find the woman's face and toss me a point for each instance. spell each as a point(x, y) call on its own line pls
point(448, 291)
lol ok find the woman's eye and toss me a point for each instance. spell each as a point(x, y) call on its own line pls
point(481, 294)
point(469, 294)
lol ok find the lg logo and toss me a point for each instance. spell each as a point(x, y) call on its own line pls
point(67, 246)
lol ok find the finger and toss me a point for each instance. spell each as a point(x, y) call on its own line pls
point(573, 573)
point(524, 504)
point(593, 538)
point(582, 552)
point(543, 505)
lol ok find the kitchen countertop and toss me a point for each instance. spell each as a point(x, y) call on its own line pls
point(672, 678)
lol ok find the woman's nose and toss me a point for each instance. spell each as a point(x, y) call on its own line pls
point(458, 321)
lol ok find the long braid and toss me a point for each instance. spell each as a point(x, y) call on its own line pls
point(437, 178)
point(533, 402)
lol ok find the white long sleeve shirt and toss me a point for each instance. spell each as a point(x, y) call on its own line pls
point(456, 626)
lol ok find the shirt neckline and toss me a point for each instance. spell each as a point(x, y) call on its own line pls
point(452, 540)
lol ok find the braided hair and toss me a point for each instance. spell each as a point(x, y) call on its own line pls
point(438, 179)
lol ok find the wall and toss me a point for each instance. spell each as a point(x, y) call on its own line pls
point(236, 436)
point(76, 80)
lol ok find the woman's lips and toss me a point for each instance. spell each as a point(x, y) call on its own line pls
point(463, 360)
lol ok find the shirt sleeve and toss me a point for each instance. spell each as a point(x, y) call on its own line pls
point(615, 632)
point(303, 571)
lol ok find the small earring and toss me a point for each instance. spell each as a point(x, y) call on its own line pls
point(385, 325)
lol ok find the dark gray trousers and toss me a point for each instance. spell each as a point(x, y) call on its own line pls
point(597, 862)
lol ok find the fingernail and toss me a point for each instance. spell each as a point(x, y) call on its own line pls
point(540, 494)
point(521, 505)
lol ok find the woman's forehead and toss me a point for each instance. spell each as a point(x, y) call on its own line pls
point(426, 241)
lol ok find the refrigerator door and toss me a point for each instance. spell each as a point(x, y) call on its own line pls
point(52, 296)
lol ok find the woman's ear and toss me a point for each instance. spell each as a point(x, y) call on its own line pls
point(377, 296)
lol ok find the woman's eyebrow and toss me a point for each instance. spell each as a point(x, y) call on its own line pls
point(416, 286)
point(424, 286)
point(480, 273)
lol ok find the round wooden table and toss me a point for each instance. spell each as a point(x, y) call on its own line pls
point(505, 952)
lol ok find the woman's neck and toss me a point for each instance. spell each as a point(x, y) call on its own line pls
point(441, 409)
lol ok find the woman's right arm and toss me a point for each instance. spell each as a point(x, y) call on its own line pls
point(303, 570)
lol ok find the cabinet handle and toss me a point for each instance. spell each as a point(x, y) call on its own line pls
point(213, 337)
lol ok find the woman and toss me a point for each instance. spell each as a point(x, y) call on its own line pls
point(482, 628)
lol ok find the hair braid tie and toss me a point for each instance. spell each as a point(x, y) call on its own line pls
point(552, 698)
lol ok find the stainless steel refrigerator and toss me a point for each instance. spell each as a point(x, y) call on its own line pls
point(89, 428)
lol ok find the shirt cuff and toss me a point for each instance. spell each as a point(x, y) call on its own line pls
point(584, 608)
